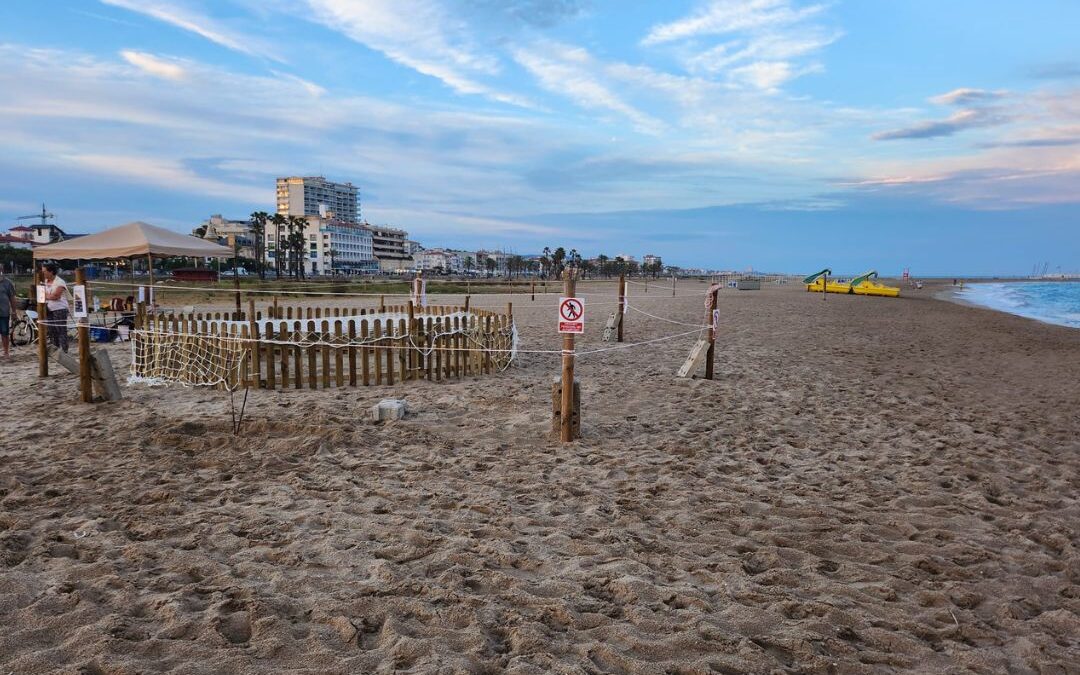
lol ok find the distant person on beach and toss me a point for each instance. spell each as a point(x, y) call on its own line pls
point(7, 310)
point(57, 304)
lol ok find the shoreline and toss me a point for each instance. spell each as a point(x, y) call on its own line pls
point(955, 295)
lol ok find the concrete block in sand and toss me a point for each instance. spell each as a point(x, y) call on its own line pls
point(388, 409)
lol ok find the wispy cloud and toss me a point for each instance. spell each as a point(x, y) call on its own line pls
point(978, 112)
point(955, 123)
point(571, 72)
point(729, 16)
point(764, 41)
point(420, 35)
point(199, 24)
point(153, 65)
point(968, 96)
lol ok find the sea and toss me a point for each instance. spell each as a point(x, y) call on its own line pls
point(1056, 302)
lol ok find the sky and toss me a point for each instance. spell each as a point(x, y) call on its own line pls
point(778, 135)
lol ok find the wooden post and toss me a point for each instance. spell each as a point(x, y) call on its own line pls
point(673, 285)
point(85, 385)
point(711, 355)
point(410, 357)
point(622, 304)
point(534, 290)
point(276, 314)
point(42, 327)
point(236, 272)
point(467, 302)
point(825, 288)
point(566, 428)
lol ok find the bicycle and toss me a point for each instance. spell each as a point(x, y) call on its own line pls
point(25, 329)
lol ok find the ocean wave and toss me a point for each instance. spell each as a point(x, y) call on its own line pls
point(1050, 302)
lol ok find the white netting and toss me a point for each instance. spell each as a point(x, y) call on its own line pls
point(160, 357)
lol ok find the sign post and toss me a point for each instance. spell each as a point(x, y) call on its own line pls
point(42, 324)
point(571, 322)
point(714, 317)
point(622, 303)
point(86, 390)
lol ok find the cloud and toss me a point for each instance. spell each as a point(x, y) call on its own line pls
point(570, 72)
point(965, 96)
point(166, 174)
point(729, 16)
point(203, 26)
point(957, 122)
point(975, 114)
point(764, 40)
point(153, 65)
point(535, 13)
point(420, 35)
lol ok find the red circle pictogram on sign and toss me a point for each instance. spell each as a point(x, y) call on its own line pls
point(570, 309)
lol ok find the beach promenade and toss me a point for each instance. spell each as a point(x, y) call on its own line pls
point(869, 485)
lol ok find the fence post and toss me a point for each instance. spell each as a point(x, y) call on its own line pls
point(86, 390)
point(622, 303)
point(42, 327)
point(566, 428)
point(673, 285)
point(711, 355)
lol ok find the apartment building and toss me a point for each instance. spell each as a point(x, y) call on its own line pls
point(219, 229)
point(390, 249)
point(440, 261)
point(316, 196)
point(332, 246)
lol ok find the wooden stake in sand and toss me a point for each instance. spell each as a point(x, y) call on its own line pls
point(86, 392)
point(712, 314)
point(42, 332)
point(622, 304)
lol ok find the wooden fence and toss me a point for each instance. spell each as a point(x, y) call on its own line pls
point(314, 347)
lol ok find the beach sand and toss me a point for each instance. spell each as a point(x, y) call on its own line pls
point(869, 485)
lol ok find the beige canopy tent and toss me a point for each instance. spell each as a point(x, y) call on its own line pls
point(133, 240)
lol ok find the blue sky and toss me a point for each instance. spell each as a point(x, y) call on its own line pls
point(774, 134)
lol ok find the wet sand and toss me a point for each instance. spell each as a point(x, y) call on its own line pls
point(869, 485)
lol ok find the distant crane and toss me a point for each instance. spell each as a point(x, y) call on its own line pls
point(44, 216)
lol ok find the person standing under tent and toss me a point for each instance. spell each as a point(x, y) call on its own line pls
point(57, 304)
point(7, 310)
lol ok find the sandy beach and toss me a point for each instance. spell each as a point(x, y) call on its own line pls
point(870, 485)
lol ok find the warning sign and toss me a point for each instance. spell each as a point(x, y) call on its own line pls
point(571, 315)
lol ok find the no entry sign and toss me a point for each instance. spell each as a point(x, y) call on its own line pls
point(571, 315)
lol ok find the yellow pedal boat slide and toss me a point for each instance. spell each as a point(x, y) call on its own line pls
point(860, 285)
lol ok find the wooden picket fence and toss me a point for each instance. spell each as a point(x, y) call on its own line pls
point(314, 347)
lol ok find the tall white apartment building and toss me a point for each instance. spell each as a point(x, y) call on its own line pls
point(316, 196)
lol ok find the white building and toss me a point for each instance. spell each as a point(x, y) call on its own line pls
point(219, 229)
point(332, 246)
point(440, 261)
point(316, 196)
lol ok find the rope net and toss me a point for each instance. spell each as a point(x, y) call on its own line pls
point(226, 354)
point(163, 357)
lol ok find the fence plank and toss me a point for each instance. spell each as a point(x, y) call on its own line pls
point(377, 335)
point(325, 349)
point(271, 380)
point(298, 355)
point(352, 353)
point(312, 352)
point(339, 376)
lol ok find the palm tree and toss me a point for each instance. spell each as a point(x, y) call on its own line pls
point(279, 249)
point(258, 232)
point(557, 259)
point(545, 262)
point(491, 265)
point(603, 260)
point(297, 245)
point(469, 263)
